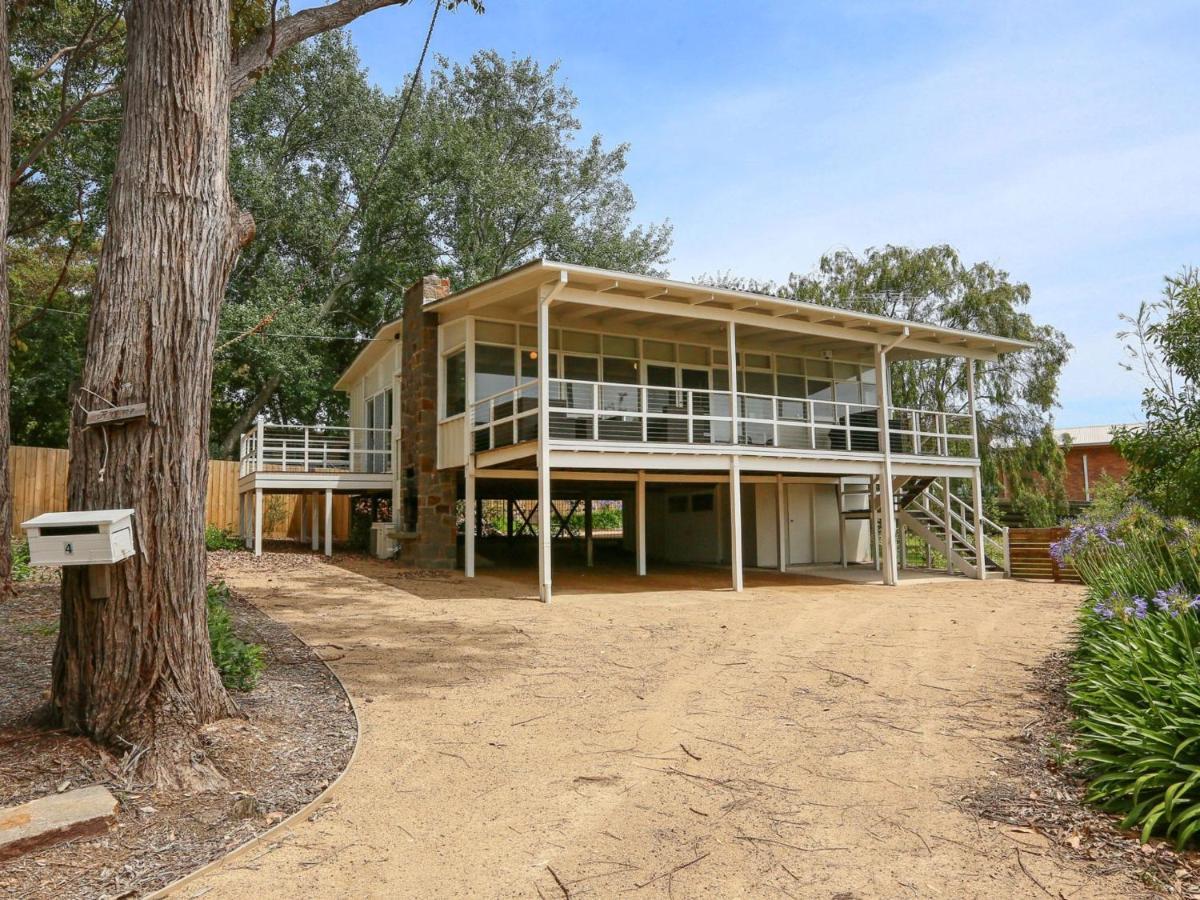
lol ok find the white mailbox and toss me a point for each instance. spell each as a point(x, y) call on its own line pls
point(86, 538)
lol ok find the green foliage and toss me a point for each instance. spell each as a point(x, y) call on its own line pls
point(486, 175)
point(1136, 682)
point(1164, 338)
point(219, 539)
point(21, 569)
point(239, 663)
point(1016, 394)
point(1110, 499)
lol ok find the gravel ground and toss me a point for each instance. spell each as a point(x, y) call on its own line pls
point(297, 737)
point(663, 737)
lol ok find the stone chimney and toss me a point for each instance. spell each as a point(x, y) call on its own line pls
point(427, 525)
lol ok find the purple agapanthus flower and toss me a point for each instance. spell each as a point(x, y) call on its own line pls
point(1103, 610)
point(1140, 607)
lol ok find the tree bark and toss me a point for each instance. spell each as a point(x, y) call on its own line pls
point(135, 670)
point(6, 121)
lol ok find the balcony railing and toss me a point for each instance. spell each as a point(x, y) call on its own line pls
point(316, 448)
point(587, 411)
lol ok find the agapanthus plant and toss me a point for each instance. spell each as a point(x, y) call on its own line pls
point(1136, 688)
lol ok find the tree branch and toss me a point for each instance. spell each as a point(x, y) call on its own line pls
point(253, 59)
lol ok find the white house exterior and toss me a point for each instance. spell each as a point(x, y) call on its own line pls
point(564, 383)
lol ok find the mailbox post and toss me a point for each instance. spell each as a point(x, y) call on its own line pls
point(97, 538)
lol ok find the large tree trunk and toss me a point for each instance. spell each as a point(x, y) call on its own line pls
point(6, 116)
point(135, 670)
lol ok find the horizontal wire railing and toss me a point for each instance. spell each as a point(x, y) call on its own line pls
point(316, 448)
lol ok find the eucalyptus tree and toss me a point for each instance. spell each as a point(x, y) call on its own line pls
point(1163, 341)
point(1016, 394)
point(135, 670)
point(491, 171)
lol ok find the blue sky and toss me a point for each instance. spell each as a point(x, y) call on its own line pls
point(1058, 141)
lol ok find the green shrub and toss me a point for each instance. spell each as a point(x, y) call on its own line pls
point(239, 663)
point(21, 569)
point(219, 539)
point(1136, 682)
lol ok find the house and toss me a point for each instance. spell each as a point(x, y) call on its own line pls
point(1089, 455)
point(564, 385)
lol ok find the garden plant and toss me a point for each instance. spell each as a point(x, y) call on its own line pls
point(1136, 681)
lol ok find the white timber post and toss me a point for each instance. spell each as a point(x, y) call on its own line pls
point(949, 526)
point(872, 492)
point(258, 517)
point(731, 335)
point(303, 522)
point(587, 529)
point(243, 520)
point(887, 501)
point(976, 476)
point(315, 502)
point(735, 520)
point(841, 505)
point(329, 521)
point(639, 504)
point(543, 446)
point(781, 521)
point(470, 512)
point(259, 450)
point(469, 517)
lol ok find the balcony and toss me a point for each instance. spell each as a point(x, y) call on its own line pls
point(317, 450)
point(646, 417)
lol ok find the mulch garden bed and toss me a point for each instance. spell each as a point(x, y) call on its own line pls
point(297, 737)
point(1043, 791)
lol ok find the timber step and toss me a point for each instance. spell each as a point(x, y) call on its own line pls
point(51, 820)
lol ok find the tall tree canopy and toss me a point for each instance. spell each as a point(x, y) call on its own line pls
point(1016, 394)
point(489, 172)
point(1164, 341)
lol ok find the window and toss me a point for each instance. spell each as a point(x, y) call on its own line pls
point(581, 341)
point(620, 371)
point(495, 370)
point(456, 383)
point(581, 368)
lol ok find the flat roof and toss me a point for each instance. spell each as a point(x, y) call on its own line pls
point(683, 298)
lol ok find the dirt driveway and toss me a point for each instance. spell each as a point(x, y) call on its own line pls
point(640, 737)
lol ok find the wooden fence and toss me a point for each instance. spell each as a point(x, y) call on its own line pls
point(1029, 552)
point(39, 482)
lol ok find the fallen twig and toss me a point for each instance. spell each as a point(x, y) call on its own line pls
point(678, 868)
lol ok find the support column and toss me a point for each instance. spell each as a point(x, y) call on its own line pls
point(470, 518)
point(841, 505)
point(328, 521)
point(543, 449)
point(315, 502)
point(243, 520)
point(977, 515)
point(303, 518)
point(735, 520)
point(781, 521)
point(639, 504)
point(949, 527)
point(258, 517)
point(887, 500)
point(731, 349)
point(587, 531)
point(976, 479)
point(872, 491)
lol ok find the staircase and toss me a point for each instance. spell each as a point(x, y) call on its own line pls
point(944, 521)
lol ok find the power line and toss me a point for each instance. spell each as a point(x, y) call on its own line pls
point(273, 334)
point(357, 208)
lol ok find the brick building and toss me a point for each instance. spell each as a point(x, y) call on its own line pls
point(1090, 456)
